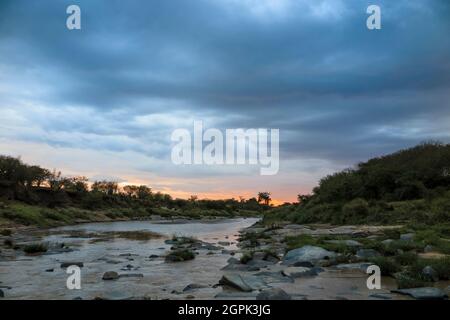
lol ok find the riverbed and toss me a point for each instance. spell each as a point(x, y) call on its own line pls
point(41, 277)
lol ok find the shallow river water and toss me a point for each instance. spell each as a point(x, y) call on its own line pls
point(30, 277)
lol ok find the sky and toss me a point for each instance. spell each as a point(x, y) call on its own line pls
point(103, 101)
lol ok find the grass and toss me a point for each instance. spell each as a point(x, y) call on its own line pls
point(35, 248)
point(294, 242)
point(388, 265)
point(246, 257)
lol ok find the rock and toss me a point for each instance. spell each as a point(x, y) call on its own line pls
point(190, 297)
point(298, 272)
point(273, 277)
point(49, 270)
point(68, 264)
point(233, 295)
point(129, 275)
point(2, 294)
point(407, 236)
point(367, 253)
point(354, 266)
point(273, 294)
point(430, 274)
point(309, 254)
point(348, 243)
point(427, 293)
point(110, 275)
point(384, 296)
point(154, 256)
point(387, 242)
point(233, 260)
point(244, 283)
point(193, 286)
point(305, 264)
point(428, 248)
point(224, 243)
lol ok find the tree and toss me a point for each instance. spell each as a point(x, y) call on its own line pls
point(264, 197)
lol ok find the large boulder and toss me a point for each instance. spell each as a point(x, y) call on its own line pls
point(307, 254)
point(427, 293)
point(246, 283)
point(273, 294)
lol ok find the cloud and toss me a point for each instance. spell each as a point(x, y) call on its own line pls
point(137, 70)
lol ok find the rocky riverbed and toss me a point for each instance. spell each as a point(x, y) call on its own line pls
point(220, 259)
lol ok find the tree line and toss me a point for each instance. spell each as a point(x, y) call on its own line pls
point(36, 185)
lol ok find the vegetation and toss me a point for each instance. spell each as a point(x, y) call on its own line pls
point(31, 195)
point(409, 186)
point(180, 255)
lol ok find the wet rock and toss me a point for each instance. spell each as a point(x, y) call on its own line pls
point(154, 256)
point(50, 270)
point(193, 286)
point(110, 275)
point(77, 298)
point(72, 263)
point(367, 253)
point(2, 294)
point(224, 243)
point(407, 236)
point(427, 293)
point(428, 248)
point(309, 254)
point(299, 272)
point(348, 243)
point(273, 294)
point(242, 282)
point(387, 242)
point(189, 297)
point(430, 274)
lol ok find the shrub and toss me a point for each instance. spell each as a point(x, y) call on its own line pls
point(388, 266)
point(246, 257)
point(180, 255)
point(407, 258)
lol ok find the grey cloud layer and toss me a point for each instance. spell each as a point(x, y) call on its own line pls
point(138, 69)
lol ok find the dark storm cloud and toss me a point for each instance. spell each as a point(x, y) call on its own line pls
point(311, 68)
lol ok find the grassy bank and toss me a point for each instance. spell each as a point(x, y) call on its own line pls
point(16, 213)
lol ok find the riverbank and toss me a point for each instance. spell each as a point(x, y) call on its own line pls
point(328, 254)
point(221, 259)
point(16, 215)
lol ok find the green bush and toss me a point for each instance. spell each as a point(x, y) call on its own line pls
point(388, 266)
point(180, 255)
